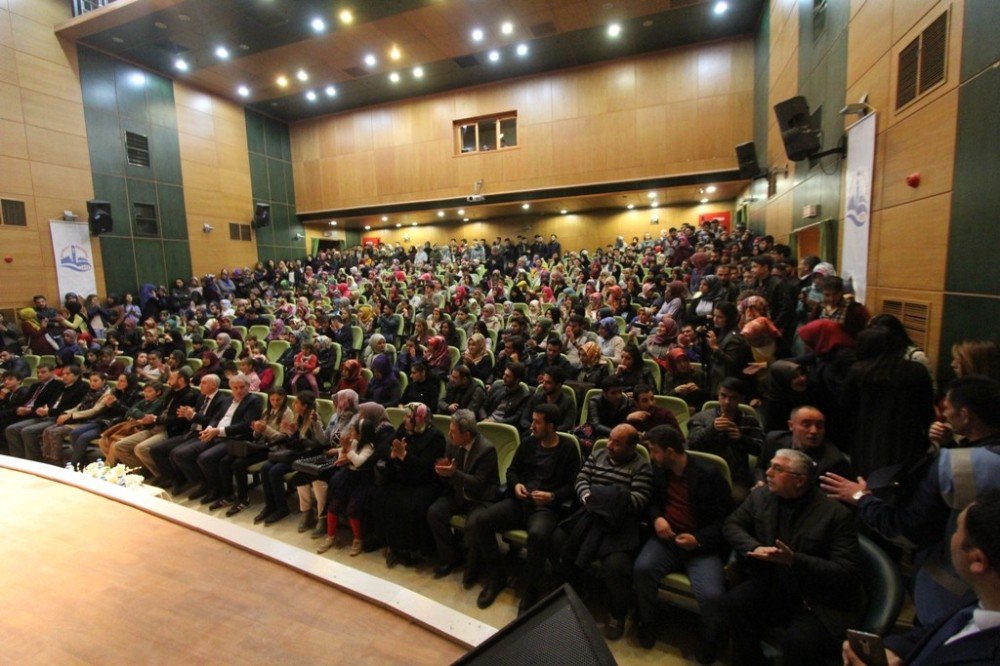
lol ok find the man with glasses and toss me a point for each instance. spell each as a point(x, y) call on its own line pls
point(801, 556)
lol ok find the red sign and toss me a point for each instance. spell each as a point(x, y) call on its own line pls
point(724, 218)
point(374, 241)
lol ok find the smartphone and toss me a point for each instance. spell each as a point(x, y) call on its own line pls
point(868, 647)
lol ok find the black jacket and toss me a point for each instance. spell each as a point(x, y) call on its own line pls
point(828, 458)
point(523, 469)
point(69, 398)
point(216, 409)
point(708, 496)
point(174, 424)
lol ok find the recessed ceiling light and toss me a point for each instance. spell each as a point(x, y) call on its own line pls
point(282, 81)
point(395, 53)
point(655, 204)
point(720, 8)
point(440, 213)
point(302, 75)
point(398, 225)
point(394, 77)
point(418, 72)
point(651, 195)
point(243, 91)
point(477, 35)
point(563, 211)
point(311, 95)
point(522, 50)
point(371, 60)
point(507, 27)
point(333, 223)
point(614, 30)
point(330, 91)
point(244, 47)
point(117, 40)
point(181, 64)
point(465, 219)
point(525, 206)
point(183, 17)
point(704, 201)
point(346, 17)
point(630, 206)
point(385, 218)
point(222, 53)
point(137, 79)
point(711, 189)
point(494, 56)
point(318, 24)
point(368, 227)
point(413, 224)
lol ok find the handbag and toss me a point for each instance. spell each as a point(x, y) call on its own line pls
point(283, 454)
point(241, 448)
point(314, 465)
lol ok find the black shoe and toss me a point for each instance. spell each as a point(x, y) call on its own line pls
point(275, 516)
point(179, 488)
point(260, 517)
point(646, 636)
point(391, 558)
point(198, 492)
point(442, 570)
point(221, 502)
point(705, 651)
point(528, 599)
point(471, 575)
point(211, 498)
point(490, 592)
point(614, 629)
point(236, 508)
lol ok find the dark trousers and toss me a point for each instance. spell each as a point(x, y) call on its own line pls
point(185, 458)
point(208, 462)
point(161, 454)
point(512, 514)
point(439, 518)
point(79, 441)
point(758, 604)
point(272, 477)
point(235, 468)
point(616, 572)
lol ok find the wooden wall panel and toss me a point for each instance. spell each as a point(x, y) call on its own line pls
point(922, 143)
point(914, 244)
point(869, 38)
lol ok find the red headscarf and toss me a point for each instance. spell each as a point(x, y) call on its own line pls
point(437, 352)
point(824, 336)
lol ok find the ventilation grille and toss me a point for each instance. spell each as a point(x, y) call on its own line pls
point(543, 29)
point(136, 149)
point(915, 317)
point(146, 223)
point(906, 87)
point(12, 213)
point(933, 46)
point(466, 61)
point(239, 232)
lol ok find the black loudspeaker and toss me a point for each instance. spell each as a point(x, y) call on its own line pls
point(557, 630)
point(261, 215)
point(797, 133)
point(99, 216)
point(746, 156)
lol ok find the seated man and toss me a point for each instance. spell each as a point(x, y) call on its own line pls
point(422, 388)
point(462, 393)
point(471, 474)
point(648, 414)
point(12, 396)
point(549, 356)
point(971, 635)
point(609, 408)
point(13, 363)
point(550, 392)
point(691, 500)
point(802, 555)
point(24, 438)
point(729, 433)
point(613, 489)
point(539, 487)
point(506, 397)
point(806, 430)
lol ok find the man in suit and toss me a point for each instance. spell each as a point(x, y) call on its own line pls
point(802, 557)
point(44, 393)
point(207, 412)
point(472, 475)
point(25, 438)
point(12, 396)
point(806, 432)
point(972, 634)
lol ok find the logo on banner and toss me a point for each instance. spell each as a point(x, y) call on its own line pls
point(857, 202)
point(75, 258)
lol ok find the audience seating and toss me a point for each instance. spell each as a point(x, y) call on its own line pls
point(32, 362)
point(586, 403)
point(746, 409)
point(678, 407)
point(654, 369)
point(260, 331)
point(275, 348)
point(324, 408)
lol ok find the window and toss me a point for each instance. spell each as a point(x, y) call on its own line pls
point(477, 135)
point(146, 223)
point(920, 66)
point(239, 232)
point(12, 213)
point(136, 149)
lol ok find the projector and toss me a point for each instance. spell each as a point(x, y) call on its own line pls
point(475, 198)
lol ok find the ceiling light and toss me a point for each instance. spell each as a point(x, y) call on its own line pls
point(494, 56)
point(522, 50)
point(371, 60)
point(655, 204)
point(413, 224)
point(711, 189)
point(302, 75)
point(395, 53)
point(630, 206)
point(311, 95)
point(614, 30)
point(507, 27)
point(720, 8)
point(461, 211)
point(704, 201)
point(477, 35)
point(333, 223)
point(394, 77)
point(651, 195)
point(330, 91)
point(398, 225)
point(244, 47)
point(440, 213)
point(368, 227)
point(282, 81)
point(117, 40)
point(318, 24)
point(525, 206)
point(418, 72)
point(137, 79)
point(243, 91)
point(465, 219)
point(385, 218)
point(563, 211)
point(222, 53)
point(181, 64)
point(346, 17)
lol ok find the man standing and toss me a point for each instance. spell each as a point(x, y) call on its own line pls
point(806, 430)
point(539, 485)
point(802, 553)
point(691, 499)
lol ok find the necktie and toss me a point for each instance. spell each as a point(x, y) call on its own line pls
point(34, 396)
point(952, 626)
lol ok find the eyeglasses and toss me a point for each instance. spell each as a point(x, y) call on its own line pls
point(778, 469)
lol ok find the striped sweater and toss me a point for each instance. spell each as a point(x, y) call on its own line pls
point(636, 473)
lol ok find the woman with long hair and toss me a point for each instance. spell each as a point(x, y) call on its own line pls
point(730, 353)
point(306, 436)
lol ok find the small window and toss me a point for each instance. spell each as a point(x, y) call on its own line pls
point(146, 223)
point(12, 213)
point(476, 135)
point(239, 232)
point(136, 149)
point(922, 63)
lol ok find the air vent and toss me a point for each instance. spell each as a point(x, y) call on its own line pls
point(906, 86)
point(12, 213)
point(355, 72)
point(136, 149)
point(933, 45)
point(146, 223)
point(263, 14)
point(915, 317)
point(543, 29)
point(466, 61)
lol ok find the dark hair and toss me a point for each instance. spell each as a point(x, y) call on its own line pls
point(517, 369)
point(811, 261)
point(894, 326)
point(462, 370)
point(763, 260)
point(557, 374)
point(74, 370)
point(982, 526)
point(549, 412)
point(980, 395)
point(307, 398)
point(665, 437)
point(610, 382)
point(641, 388)
point(418, 364)
point(731, 313)
point(734, 384)
point(831, 283)
point(634, 354)
point(156, 386)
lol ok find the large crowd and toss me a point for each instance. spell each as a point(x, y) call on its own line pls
point(697, 402)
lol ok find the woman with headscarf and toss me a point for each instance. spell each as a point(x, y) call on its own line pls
point(368, 439)
point(610, 342)
point(438, 358)
point(829, 360)
point(225, 348)
point(210, 365)
point(409, 485)
point(489, 317)
point(659, 343)
point(785, 389)
point(547, 295)
point(35, 333)
point(710, 291)
point(384, 386)
point(766, 345)
point(476, 359)
point(277, 331)
point(366, 318)
point(376, 345)
point(752, 307)
point(595, 301)
point(682, 381)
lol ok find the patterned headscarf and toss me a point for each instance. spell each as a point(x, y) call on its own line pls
point(417, 412)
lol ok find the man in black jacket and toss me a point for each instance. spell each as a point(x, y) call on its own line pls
point(550, 392)
point(691, 499)
point(422, 387)
point(12, 396)
point(802, 553)
point(806, 430)
point(462, 393)
point(133, 450)
point(25, 438)
point(506, 397)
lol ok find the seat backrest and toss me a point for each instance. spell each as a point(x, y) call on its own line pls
point(506, 440)
point(260, 331)
point(404, 381)
point(324, 408)
point(713, 459)
point(567, 437)
point(654, 369)
point(463, 338)
point(442, 422)
point(193, 363)
point(454, 356)
point(357, 338)
point(396, 415)
point(572, 397)
point(883, 585)
point(275, 348)
point(746, 409)
point(678, 407)
point(586, 403)
point(338, 354)
point(242, 330)
point(279, 373)
point(603, 443)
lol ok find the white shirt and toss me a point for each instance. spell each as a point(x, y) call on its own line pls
point(227, 418)
point(982, 620)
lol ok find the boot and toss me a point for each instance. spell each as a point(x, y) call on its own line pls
point(308, 521)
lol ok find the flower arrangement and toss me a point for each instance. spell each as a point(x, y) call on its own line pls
point(120, 475)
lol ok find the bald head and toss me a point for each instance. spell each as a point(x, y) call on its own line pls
point(622, 442)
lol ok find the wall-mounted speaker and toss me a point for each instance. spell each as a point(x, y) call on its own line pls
point(797, 133)
point(261, 215)
point(99, 217)
point(746, 157)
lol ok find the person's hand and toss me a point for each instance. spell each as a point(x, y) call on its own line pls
point(852, 659)
point(520, 492)
point(712, 340)
point(754, 368)
point(208, 434)
point(23, 411)
point(186, 412)
point(447, 470)
point(257, 426)
point(541, 498)
point(638, 416)
point(42, 411)
point(148, 419)
point(341, 461)
point(663, 529)
point(779, 553)
point(686, 541)
point(684, 389)
point(62, 418)
point(839, 488)
point(941, 434)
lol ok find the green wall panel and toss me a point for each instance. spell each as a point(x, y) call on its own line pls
point(276, 181)
point(173, 219)
point(966, 318)
point(271, 182)
point(160, 97)
point(105, 142)
point(258, 178)
point(119, 264)
point(149, 261)
point(980, 46)
point(176, 260)
point(166, 151)
point(97, 80)
point(255, 132)
point(130, 85)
